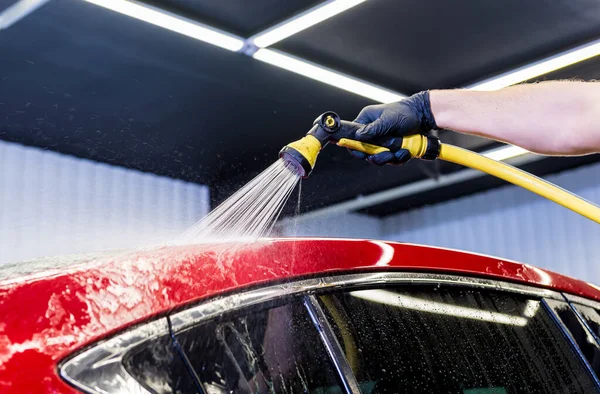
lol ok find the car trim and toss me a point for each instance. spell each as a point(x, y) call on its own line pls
point(575, 301)
point(332, 345)
point(583, 301)
point(107, 356)
point(217, 306)
point(107, 359)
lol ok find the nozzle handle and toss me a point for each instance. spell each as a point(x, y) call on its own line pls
point(419, 146)
point(364, 147)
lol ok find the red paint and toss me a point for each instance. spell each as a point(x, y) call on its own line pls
point(47, 316)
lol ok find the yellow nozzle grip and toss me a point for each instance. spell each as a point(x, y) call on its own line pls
point(364, 147)
point(415, 144)
point(309, 147)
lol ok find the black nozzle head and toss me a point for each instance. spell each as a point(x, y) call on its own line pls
point(296, 159)
point(329, 121)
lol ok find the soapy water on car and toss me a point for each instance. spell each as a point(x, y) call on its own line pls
point(250, 212)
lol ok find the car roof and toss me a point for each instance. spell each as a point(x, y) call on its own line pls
point(60, 308)
point(47, 265)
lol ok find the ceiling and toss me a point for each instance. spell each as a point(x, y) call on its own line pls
point(86, 81)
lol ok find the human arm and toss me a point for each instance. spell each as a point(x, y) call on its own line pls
point(554, 118)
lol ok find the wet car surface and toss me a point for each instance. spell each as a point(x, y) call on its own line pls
point(296, 315)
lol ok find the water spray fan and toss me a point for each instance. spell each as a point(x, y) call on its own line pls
point(328, 127)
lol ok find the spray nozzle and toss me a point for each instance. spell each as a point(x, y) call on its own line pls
point(328, 127)
point(302, 154)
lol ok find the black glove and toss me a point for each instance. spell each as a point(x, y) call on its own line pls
point(385, 122)
point(398, 157)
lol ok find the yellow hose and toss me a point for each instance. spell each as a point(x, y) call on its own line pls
point(417, 146)
point(520, 178)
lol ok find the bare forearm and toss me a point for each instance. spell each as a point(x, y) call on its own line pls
point(556, 118)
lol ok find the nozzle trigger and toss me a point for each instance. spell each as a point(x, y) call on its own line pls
point(364, 147)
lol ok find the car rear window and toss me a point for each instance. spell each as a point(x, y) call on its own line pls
point(404, 339)
point(450, 340)
point(158, 366)
point(274, 350)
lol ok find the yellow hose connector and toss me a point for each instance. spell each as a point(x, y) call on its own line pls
point(415, 144)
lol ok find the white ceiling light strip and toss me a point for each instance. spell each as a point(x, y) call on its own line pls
point(173, 22)
point(541, 67)
point(18, 11)
point(302, 21)
point(327, 76)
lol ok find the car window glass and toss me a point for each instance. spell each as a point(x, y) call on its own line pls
point(434, 340)
point(159, 368)
point(275, 350)
point(591, 317)
point(584, 339)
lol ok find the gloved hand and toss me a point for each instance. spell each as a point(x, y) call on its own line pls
point(385, 122)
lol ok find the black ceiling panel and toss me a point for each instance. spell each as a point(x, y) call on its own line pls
point(241, 17)
point(86, 81)
point(4, 4)
point(411, 45)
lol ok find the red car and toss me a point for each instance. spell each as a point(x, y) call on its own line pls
point(296, 316)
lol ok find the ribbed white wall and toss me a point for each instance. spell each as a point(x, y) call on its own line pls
point(350, 225)
point(515, 224)
point(53, 204)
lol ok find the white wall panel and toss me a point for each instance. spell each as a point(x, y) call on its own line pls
point(350, 225)
point(54, 204)
point(515, 224)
